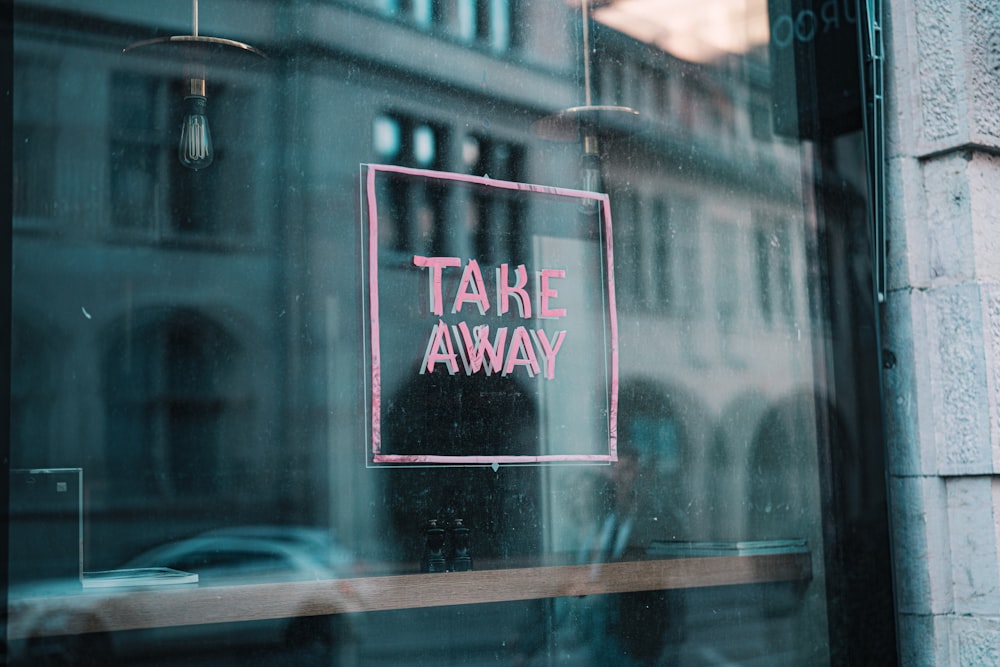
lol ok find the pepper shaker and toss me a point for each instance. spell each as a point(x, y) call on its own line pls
point(461, 559)
point(433, 557)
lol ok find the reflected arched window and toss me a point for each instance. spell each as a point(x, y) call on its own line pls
point(169, 396)
point(654, 435)
point(463, 415)
point(779, 495)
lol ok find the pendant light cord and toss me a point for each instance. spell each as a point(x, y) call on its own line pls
point(586, 52)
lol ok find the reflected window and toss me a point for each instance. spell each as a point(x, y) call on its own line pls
point(727, 274)
point(422, 12)
point(386, 138)
point(663, 253)
point(493, 218)
point(686, 229)
point(778, 483)
point(34, 139)
point(608, 81)
point(493, 23)
point(419, 12)
point(413, 215)
point(137, 146)
point(485, 23)
point(458, 18)
point(424, 146)
point(773, 263)
point(653, 91)
point(154, 195)
point(627, 249)
point(760, 117)
point(166, 387)
point(785, 277)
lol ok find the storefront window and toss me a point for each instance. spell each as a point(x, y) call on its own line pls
point(519, 332)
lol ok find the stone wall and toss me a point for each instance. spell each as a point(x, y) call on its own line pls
point(941, 322)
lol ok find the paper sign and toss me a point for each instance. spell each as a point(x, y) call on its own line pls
point(491, 325)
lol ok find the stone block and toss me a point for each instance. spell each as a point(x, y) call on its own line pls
point(983, 175)
point(949, 226)
point(936, 641)
point(941, 389)
point(973, 524)
point(907, 237)
point(981, 67)
point(974, 641)
point(921, 545)
point(899, 73)
point(938, 79)
point(908, 426)
point(944, 75)
point(991, 349)
point(958, 380)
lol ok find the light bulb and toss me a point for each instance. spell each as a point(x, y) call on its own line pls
point(195, 148)
point(590, 172)
point(590, 163)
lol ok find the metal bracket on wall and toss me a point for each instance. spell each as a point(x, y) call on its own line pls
point(872, 59)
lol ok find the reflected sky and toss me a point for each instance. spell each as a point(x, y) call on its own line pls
point(693, 30)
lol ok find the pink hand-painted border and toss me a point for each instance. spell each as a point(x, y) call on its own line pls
point(376, 369)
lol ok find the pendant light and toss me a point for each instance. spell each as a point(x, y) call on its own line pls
point(585, 123)
point(195, 149)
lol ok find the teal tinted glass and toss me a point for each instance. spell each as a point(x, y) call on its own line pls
point(452, 332)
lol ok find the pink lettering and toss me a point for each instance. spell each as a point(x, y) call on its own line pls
point(472, 276)
point(521, 353)
point(545, 293)
point(472, 352)
point(439, 349)
point(548, 350)
point(505, 291)
point(437, 265)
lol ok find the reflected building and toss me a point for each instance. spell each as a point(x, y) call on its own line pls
point(187, 385)
point(193, 337)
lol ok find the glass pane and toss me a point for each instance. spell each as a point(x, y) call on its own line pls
point(495, 331)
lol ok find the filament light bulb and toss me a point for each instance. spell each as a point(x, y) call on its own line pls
point(195, 149)
point(590, 166)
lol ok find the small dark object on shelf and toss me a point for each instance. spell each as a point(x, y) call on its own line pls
point(433, 558)
point(460, 559)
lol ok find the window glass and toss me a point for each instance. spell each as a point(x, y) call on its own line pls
point(496, 331)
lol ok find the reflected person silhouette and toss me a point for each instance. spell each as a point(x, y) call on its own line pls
point(629, 629)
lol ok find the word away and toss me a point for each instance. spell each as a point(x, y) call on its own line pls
point(531, 349)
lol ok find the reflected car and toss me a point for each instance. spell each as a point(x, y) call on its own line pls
point(230, 556)
point(252, 554)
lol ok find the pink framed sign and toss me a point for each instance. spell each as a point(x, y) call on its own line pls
point(491, 330)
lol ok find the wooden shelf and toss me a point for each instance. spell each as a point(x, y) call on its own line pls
point(186, 605)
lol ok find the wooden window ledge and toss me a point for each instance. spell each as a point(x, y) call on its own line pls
point(105, 610)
